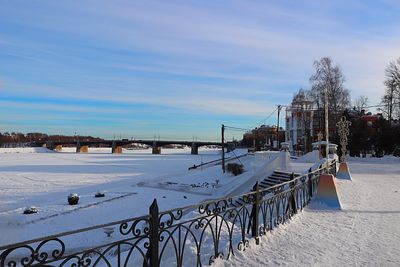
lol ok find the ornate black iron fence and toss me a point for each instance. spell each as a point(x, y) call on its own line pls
point(190, 236)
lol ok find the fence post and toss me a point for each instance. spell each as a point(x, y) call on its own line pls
point(256, 205)
point(154, 235)
point(292, 187)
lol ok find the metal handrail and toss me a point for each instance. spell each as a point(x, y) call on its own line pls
point(147, 216)
point(251, 192)
point(177, 211)
point(95, 227)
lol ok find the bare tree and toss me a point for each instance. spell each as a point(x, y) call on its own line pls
point(329, 78)
point(302, 96)
point(391, 97)
point(361, 103)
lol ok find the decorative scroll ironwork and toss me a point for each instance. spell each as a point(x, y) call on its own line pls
point(137, 227)
point(191, 236)
point(60, 250)
point(343, 131)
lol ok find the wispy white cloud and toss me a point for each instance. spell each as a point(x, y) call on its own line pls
point(234, 58)
point(63, 108)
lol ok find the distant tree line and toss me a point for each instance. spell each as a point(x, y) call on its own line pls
point(383, 136)
point(262, 137)
point(20, 138)
point(378, 137)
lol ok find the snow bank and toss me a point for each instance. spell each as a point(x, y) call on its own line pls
point(276, 161)
point(310, 157)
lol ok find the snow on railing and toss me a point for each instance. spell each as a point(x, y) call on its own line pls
point(192, 236)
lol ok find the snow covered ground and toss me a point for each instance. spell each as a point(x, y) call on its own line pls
point(366, 232)
point(42, 178)
point(45, 180)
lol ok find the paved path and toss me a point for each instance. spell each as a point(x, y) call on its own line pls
point(365, 233)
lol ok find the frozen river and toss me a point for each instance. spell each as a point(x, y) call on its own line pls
point(130, 181)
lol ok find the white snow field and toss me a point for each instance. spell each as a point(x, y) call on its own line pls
point(366, 232)
point(44, 179)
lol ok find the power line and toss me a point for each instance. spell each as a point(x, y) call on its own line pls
point(236, 128)
point(239, 129)
point(381, 105)
point(264, 120)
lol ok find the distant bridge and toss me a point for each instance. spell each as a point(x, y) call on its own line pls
point(116, 145)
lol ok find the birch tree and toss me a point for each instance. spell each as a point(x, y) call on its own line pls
point(330, 79)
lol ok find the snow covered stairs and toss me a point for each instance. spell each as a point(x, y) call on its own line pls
point(276, 178)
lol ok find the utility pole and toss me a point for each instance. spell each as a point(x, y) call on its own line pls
point(326, 125)
point(277, 127)
point(223, 147)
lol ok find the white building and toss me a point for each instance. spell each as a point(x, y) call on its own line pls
point(299, 125)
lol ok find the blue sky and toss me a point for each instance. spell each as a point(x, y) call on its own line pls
point(178, 69)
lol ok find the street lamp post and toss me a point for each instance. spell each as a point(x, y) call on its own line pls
point(223, 147)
